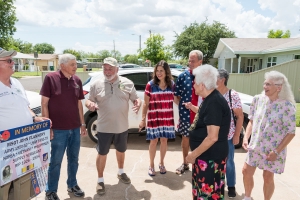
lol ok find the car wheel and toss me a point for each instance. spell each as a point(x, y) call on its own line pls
point(92, 128)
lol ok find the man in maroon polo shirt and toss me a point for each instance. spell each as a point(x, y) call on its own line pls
point(61, 102)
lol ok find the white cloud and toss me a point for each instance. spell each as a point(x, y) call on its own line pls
point(119, 19)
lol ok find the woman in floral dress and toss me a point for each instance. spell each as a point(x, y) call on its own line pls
point(158, 106)
point(272, 126)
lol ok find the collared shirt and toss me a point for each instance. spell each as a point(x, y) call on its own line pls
point(183, 89)
point(14, 106)
point(63, 94)
point(112, 100)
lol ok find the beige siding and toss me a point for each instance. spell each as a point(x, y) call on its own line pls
point(252, 83)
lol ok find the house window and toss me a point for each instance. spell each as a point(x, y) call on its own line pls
point(271, 61)
point(297, 57)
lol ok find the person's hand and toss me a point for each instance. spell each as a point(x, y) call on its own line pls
point(245, 144)
point(142, 125)
point(1, 138)
point(188, 105)
point(51, 134)
point(236, 139)
point(83, 131)
point(40, 119)
point(92, 106)
point(271, 156)
point(190, 158)
point(136, 106)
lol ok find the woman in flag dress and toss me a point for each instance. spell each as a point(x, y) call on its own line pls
point(158, 107)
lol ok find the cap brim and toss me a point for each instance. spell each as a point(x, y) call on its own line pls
point(109, 64)
point(8, 53)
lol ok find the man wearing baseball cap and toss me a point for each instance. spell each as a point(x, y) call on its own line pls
point(110, 96)
point(14, 112)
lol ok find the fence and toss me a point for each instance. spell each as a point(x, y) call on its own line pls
point(252, 83)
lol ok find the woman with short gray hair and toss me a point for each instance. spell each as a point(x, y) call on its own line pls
point(237, 118)
point(272, 126)
point(208, 137)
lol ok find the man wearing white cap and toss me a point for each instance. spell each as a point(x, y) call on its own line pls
point(110, 96)
point(14, 112)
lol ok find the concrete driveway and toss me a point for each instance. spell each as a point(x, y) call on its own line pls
point(168, 186)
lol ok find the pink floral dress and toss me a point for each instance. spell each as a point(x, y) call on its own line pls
point(272, 121)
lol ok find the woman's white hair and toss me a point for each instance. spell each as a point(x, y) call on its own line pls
point(207, 75)
point(65, 58)
point(280, 79)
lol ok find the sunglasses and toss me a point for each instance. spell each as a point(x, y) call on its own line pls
point(9, 61)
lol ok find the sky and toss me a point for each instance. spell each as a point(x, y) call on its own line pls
point(94, 25)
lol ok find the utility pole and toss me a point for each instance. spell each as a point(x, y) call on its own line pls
point(114, 49)
point(140, 44)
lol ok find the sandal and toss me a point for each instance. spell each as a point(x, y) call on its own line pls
point(162, 169)
point(182, 169)
point(151, 171)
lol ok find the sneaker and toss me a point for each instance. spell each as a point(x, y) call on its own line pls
point(124, 178)
point(231, 192)
point(100, 188)
point(51, 196)
point(182, 168)
point(76, 191)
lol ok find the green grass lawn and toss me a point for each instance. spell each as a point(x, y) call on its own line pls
point(298, 115)
point(21, 74)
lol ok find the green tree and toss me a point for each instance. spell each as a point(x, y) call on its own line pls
point(20, 45)
point(43, 48)
point(73, 52)
point(7, 22)
point(131, 58)
point(279, 34)
point(203, 37)
point(103, 54)
point(155, 50)
point(116, 54)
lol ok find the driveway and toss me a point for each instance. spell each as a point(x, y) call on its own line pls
point(32, 83)
point(168, 186)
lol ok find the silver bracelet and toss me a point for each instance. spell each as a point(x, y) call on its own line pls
point(275, 151)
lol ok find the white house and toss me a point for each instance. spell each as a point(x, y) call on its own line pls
point(245, 55)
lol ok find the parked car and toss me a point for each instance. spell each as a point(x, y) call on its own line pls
point(140, 78)
point(177, 66)
point(35, 101)
point(129, 66)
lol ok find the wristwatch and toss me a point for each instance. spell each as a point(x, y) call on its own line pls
point(275, 151)
point(33, 118)
point(83, 124)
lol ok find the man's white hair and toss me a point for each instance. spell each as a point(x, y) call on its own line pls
point(198, 53)
point(207, 75)
point(65, 58)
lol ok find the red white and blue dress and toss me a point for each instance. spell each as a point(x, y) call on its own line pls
point(160, 117)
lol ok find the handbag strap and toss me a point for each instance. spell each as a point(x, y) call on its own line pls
point(231, 107)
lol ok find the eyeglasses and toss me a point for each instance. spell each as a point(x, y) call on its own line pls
point(9, 61)
point(270, 84)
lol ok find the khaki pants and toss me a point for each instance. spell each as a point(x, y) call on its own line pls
point(22, 189)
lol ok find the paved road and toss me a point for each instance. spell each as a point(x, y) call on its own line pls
point(32, 83)
point(169, 186)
